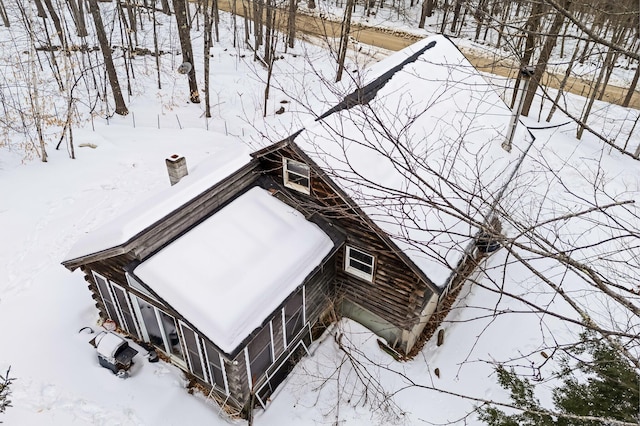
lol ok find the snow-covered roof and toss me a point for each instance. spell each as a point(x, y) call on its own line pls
point(220, 164)
point(229, 273)
point(422, 154)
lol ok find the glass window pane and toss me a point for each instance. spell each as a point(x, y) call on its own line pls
point(171, 331)
point(298, 168)
point(127, 316)
point(260, 353)
point(214, 365)
point(191, 343)
point(151, 323)
point(298, 180)
point(109, 305)
point(364, 268)
point(362, 257)
point(293, 316)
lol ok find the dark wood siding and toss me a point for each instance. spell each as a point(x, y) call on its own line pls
point(320, 293)
point(397, 293)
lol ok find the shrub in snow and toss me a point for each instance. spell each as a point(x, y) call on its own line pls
point(5, 382)
point(599, 387)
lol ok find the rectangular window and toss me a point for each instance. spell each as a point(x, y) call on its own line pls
point(159, 329)
point(192, 345)
point(260, 353)
point(107, 299)
point(296, 175)
point(359, 263)
point(293, 316)
point(216, 366)
point(122, 301)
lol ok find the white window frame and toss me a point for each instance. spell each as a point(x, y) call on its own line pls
point(211, 380)
point(355, 271)
point(182, 326)
point(293, 185)
point(145, 334)
point(136, 285)
point(129, 304)
point(119, 318)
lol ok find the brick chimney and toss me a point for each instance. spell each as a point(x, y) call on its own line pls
point(177, 168)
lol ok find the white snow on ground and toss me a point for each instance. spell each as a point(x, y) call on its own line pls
point(46, 208)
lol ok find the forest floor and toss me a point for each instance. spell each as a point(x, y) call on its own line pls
point(484, 60)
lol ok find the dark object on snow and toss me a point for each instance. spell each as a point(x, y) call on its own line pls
point(487, 244)
point(152, 355)
point(86, 328)
point(115, 354)
point(280, 110)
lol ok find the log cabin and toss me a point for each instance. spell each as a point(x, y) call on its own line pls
point(371, 211)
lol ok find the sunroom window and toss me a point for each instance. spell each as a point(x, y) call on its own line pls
point(296, 175)
point(359, 263)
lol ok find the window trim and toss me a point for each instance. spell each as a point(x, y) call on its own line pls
point(145, 334)
point(118, 319)
point(199, 350)
point(355, 271)
point(113, 289)
point(212, 380)
point(293, 185)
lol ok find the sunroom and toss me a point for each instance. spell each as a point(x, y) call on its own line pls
point(232, 299)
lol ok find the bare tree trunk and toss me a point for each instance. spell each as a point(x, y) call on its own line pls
point(268, 29)
point(165, 7)
point(133, 24)
point(125, 35)
point(612, 60)
point(445, 12)
point(3, 14)
point(480, 14)
point(291, 23)
point(78, 18)
point(545, 54)
point(592, 97)
point(533, 22)
point(344, 38)
point(56, 22)
point(121, 107)
point(180, 8)
point(632, 87)
point(216, 17)
point(40, 9)
point(567, 74)
point(207, 53)
point(258, 9)
point(246, 23)
point(271, 43)
point(427, 11)
point(155, 45)
point(456, 16)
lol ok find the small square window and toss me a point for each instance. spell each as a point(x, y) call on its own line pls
point(359, 263)
point(296, 175)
